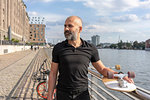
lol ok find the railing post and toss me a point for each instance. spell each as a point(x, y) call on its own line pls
point(92, 86)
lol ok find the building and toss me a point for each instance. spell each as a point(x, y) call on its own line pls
point(37, 30)
point(14, 20)
point(89, 41)
point(147, 45)
point(96, 40)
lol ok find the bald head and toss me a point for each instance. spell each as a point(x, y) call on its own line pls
point(72, 28)
point(75, 19)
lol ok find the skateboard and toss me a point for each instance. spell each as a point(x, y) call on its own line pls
point(116, 82)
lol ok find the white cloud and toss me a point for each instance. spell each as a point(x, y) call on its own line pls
point(146, 17)
point(33, 1)
point(145, 4)
point(50, 17)
point(102, 29)
point(25, 0)
point(47, 0)
point(107, 7)
point(126, 18)
point(33, 13)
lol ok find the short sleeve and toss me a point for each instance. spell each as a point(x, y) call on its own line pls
point(55, 55)
point(95, 55)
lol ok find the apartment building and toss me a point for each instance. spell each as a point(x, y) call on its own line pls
point(37, 30)
point(37, 33)
point(14, 20)
point(95, 39)
point(147, 45)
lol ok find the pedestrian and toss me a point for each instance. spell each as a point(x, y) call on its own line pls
point(71, 59)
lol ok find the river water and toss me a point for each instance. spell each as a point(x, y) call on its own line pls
point(129, 60)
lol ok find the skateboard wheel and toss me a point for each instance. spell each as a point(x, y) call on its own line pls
point(110, 75)
point(117, 67)
point(131, 74)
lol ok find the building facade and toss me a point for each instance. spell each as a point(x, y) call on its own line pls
point(37, 30)
point(37, 33)
point(96, 40)
point(147, 45)
point(14, 20)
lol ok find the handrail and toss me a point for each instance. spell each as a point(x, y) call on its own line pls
point(104, 90)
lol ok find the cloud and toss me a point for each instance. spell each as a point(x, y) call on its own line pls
point(49, 17)
point(145, 4)
point(25, 0)
point(126, 18)
point(146, 17)
point(49, 23)
point(35, 1)
point(33, 13)
point(107, 7)
point(102, 29)
point(47, 0)
point(94, 27)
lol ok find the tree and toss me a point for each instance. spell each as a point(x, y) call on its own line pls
point(114, 46)
point(135, 45)
point(128, 45)
point(120, 44)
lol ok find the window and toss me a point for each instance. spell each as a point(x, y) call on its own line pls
point(3, 11)
point(3, 24)
point(34, 35)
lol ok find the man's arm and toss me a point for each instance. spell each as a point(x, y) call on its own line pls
point(99, 66)
point(52, 79)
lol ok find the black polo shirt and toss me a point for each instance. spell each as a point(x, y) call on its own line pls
point(73, 64)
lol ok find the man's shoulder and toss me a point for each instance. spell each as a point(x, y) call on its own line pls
point(60, 44)
point(87, 44)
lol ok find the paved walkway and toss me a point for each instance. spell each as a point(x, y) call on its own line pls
point(12, 66)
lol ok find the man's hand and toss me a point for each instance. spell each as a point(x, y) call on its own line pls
point(128, 79)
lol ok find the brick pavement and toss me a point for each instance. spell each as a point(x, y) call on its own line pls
point(12, 66)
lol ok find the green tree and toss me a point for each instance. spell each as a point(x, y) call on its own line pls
point(135, 45)
point(120, 45)
point(114, 46)
point(128, 45)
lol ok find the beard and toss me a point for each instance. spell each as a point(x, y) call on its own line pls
point(69, 35)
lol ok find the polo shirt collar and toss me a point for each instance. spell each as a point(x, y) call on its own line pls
point(83, 43)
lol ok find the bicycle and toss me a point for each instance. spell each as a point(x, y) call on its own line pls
point(42, 87)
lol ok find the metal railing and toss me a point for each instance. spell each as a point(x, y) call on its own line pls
point(6, 42)
point(99, 92)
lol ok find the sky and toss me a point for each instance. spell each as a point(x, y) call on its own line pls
point(112, 20)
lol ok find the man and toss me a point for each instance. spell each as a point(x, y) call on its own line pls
point(71, 58)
